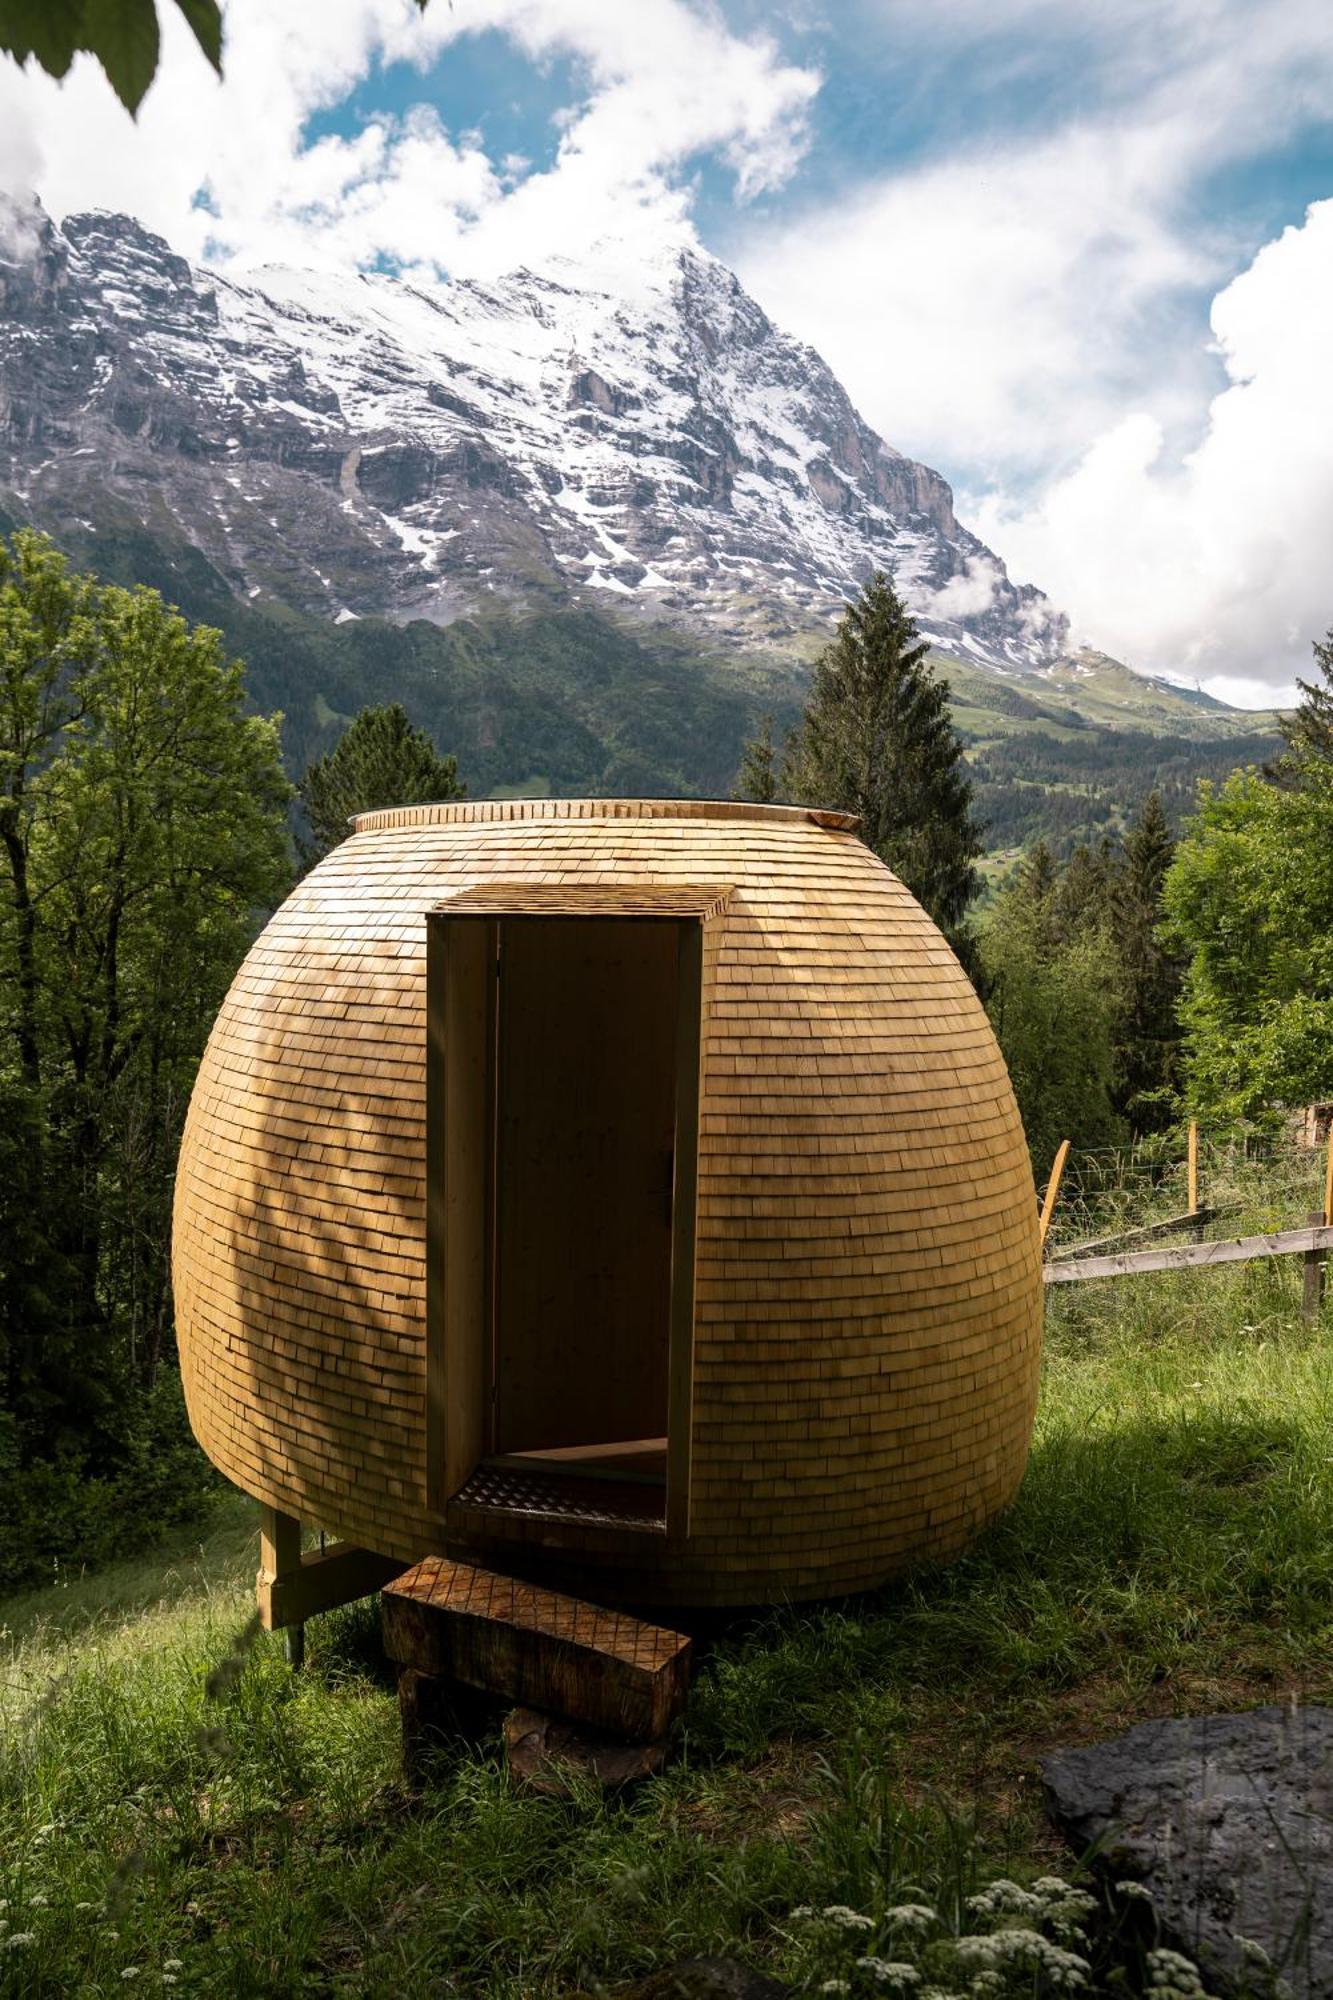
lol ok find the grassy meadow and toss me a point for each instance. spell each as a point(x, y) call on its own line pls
point(179, 1812)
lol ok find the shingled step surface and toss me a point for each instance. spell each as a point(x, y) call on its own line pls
point(537, 1647)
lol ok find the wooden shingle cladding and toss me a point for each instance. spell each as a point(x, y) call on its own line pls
point(867, 1297)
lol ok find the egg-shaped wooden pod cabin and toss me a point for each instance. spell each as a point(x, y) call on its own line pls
point(626, 1190)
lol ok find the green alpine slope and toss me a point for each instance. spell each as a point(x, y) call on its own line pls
point(574, 701)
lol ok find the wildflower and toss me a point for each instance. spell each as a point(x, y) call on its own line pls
point(801, 1913)
point(847, 1920)
point(130, 1971)
point(911, 1917)
point(1135, 1891)
point(1004, 1899)
point(173, 1964)
point(888, 1972)
point(1064, 1970)
point(1171, 1976)
point(835, 1986)
point(38, 1902)
point(85, 1906)
point(20, 1937)
point(1251, 1949)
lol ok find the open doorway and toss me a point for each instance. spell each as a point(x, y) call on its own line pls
point(583, 1189)
point(563, 1095)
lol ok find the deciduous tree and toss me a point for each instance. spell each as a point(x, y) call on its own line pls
point(1249, 901)
point(142, 826)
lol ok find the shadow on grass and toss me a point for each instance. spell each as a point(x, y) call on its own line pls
point(1132, 1539)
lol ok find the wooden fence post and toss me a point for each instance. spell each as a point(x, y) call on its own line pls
point(1312, 1296)
point(1053, 1189)
point(1192, 1175)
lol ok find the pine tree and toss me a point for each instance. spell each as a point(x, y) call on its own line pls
point(1148, 1042)
point(1309, 731)
point(1084, 896)
point(1038, 872)
point(381, 759)
point(757, 778)
point(877, 739)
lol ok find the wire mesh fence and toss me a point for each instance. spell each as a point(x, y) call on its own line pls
point(1247, 1185)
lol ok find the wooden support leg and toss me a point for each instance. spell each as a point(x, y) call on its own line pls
point(279, 1555)
point(1313, 1295)
point(295, 1637)
point(292, 1587)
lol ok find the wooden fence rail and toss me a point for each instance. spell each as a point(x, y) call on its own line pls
point(1314, 1240)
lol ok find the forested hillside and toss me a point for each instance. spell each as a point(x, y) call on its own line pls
point(570, 702)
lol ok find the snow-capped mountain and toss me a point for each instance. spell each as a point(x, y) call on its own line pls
point(629, 431)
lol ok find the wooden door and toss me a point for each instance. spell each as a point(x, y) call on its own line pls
point(585, 1061)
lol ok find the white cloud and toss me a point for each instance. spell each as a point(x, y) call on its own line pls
point(1027, 313)
point(663, 81)
point(966, 595)
point(1215, 566)
point(1006, 297)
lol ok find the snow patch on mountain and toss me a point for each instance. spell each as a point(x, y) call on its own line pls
point(631, 424)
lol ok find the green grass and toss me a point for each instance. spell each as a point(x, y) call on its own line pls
point(1171, 1550)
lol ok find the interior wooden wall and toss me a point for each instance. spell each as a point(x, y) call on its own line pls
point(585, 1082)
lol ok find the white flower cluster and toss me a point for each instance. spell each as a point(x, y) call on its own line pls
point(1026, 1949)
point(888, 1972)
point(1171, 1976)
point(1003, 1898)
point(839, 1915)
point(914, 1918)
point(1022, 1944)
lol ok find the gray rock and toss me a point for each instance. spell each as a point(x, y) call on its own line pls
point(1227, 1820)
point(708, 1979)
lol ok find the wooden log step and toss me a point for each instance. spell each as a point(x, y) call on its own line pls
point(536, 1647)
point(547, 1754)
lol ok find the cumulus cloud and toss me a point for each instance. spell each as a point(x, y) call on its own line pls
point(965, 595)
point(1029, 309)
point(1215, 565)
point(226, 169)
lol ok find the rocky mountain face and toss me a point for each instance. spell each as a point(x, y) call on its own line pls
point(629, 433)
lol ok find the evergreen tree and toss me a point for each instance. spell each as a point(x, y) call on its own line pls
point(757, 778)
point(1084, 893)
point(1309, 730)
point(876, 739)
point(380, 759)
point(1148, 1043)
point(1037, 875)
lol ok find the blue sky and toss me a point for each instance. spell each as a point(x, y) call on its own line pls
point(1070, 254)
